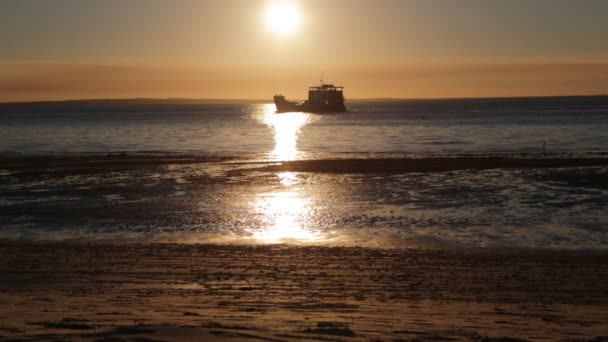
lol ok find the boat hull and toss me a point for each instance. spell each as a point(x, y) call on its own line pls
point(284, 106)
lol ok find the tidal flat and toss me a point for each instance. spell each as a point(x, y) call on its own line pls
point(124, 247)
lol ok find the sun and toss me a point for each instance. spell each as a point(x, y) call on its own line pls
point(283, 17)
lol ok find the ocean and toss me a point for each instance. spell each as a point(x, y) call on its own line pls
point(57, 182)
point(416, 126)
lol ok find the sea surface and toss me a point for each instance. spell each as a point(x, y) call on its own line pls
point(419, 126)
point(229, 200)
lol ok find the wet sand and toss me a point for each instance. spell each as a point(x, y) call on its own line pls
point(346, 165)
point(408, 165)
point(114, 291)
point(518, 200)
point(152, 292)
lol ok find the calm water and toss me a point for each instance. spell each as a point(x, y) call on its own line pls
point(567, 124)
point(566, 208)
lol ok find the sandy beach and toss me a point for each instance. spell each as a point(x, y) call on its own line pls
point(461, 283)
point(162, 292)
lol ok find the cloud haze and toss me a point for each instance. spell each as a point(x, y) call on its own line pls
point(32, 81)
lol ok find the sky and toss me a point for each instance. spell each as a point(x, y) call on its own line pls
point(223, 49)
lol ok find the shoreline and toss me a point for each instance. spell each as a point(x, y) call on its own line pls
point(345, 241)
point(423, 202)
point(279, 292)
point(357, 165)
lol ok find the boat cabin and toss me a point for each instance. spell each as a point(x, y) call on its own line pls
point(326, 94)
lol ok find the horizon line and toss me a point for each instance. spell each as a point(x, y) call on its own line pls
point(232, 100)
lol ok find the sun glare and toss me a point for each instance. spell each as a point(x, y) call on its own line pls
point(286, 129)
point(286, 216)
point(283, 17)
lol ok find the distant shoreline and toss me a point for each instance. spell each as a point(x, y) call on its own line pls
point(202, 101)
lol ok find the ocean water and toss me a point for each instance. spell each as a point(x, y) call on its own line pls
point(232, 201)
point(424, 126)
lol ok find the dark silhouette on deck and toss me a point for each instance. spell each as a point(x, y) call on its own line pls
point(325, 98)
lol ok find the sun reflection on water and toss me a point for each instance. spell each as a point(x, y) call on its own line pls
point(288, 178)
point(286, 215)
point(286, 128)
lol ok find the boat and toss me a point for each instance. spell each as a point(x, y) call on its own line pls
point(325, 98)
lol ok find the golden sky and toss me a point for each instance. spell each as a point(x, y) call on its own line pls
point(71, 49)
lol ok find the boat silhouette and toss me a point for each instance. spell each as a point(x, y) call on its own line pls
point(325, 98)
